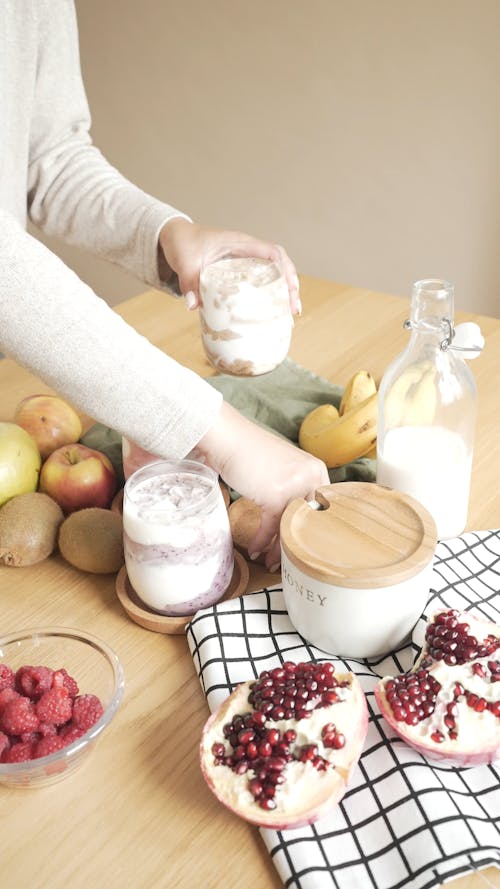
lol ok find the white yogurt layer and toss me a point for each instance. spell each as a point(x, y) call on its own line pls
point(245, 316)
point(177, 542)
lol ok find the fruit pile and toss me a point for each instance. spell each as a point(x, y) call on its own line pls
point(280, 750)
point(339, 436)
point(55, 491)
point(41, 711)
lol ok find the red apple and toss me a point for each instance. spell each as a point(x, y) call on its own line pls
point(77, 477)
point(50, 420)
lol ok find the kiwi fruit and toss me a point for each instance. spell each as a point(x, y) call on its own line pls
point(29, 525)
point(244, 521)
point(92, 540)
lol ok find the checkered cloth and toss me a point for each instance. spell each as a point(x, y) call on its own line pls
point(403, 822)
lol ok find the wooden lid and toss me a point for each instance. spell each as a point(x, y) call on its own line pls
point(362, 535)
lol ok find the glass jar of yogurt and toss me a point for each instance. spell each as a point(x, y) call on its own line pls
point(177, 539)
point(245, 318)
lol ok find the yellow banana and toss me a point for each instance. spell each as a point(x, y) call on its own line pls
point(318, 419)
point(344, 439)
point(358, 389)
point(411, 400)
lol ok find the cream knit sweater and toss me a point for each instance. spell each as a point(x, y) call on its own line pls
point(50, 321)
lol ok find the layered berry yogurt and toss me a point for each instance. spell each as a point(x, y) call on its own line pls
point(177, 539)
point(245, 318)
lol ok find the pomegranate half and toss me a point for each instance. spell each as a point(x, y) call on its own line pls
point(280, 750)
point(448, 706)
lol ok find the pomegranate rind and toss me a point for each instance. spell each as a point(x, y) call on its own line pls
point(459, 753)
point(315, 793)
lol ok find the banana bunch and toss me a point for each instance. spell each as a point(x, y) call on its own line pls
point(338, 437)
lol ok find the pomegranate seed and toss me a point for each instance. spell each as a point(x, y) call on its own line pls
point(276, 778)
point(273, 735)
point(252, 750)
point(458, 690)
point(481, 705)
point(241, 767)
point(267, 803)
point(479, 670)
point(449, 722)
point(494, 706)
point(218, 750)
point(255, 787)
point(245, 736)
point(437, 737)
point(290, 736)
point(308, 751)
point(276, 763)
point(265, 748)
point(329, 697)
point(453, 735)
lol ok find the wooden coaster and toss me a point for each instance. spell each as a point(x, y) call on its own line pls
point(162, 623)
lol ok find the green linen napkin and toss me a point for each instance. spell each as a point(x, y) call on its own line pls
point(279, 401)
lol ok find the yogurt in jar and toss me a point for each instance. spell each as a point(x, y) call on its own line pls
point(245, 318)
point(177, 539)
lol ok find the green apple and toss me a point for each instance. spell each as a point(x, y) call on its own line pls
point(20, 462)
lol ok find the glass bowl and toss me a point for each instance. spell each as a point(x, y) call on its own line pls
point(96, 669)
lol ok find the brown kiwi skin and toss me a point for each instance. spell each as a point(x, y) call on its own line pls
point(244, 521)
point(92, 540)
point(29, 525)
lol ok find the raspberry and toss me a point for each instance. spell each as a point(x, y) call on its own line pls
point(19, 752)
point(6, 695)
point(47, 745)
point(62, 677)
point(54, 706)
point(87, 709)
point(18, 716)
point(33, 681)
point(71, 733)
point(7, 677)
point(4, 744)
point(47, 728)
point(29, 736)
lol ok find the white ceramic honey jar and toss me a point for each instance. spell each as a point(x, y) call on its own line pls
point(356, 567)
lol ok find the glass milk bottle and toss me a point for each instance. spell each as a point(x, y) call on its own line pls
point(427, 410)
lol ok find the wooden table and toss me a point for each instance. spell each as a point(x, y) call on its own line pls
point(137, 814)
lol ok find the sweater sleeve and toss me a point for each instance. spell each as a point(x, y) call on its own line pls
point(53, 324)
point(73, 192)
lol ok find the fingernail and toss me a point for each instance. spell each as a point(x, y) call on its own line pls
point(254, 556)
point(274, 568)
point(299, 306)
point(295, 282)
point(190, 300)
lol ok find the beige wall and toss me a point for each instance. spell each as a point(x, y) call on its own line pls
point(362, 134)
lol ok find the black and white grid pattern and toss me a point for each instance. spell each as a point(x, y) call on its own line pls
point(403, 822)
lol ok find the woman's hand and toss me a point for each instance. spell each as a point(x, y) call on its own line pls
point(184, 243)
point(260, 465)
